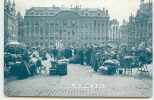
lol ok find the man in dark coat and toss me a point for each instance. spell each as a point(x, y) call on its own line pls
point(68, 53)
point(23, 70)
point(81, 54)
point(88, 55)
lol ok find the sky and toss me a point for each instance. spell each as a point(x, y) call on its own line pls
point(118, 9)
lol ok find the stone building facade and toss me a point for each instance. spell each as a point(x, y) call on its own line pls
point(140, 26)
point(114, 32)
point(20, 27)
point(10, 29)
point(123, 32)
point(43, 26)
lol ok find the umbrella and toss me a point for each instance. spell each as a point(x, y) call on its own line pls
point(148, 50)
point(123, 45)
point(113, 62)
point(128, 61)
point(144, 55)
point(15, 44)
point(14, 47)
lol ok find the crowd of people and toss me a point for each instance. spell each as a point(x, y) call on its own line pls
point(94, 56)
point(37, 60)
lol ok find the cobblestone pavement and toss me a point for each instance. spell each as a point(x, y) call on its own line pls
point(80, 81)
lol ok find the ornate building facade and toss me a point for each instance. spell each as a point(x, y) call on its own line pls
point(43, 26)
point(20, 27)
point(114, 32)
point(140, 26)
point(10, 29)
point(124, 32)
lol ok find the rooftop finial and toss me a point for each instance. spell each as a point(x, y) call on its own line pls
point(9, 3)
point(13, 2)
point(5, 2)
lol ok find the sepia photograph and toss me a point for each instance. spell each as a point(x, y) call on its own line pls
point(78, 48)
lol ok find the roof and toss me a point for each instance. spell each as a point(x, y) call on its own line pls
point(52, 11)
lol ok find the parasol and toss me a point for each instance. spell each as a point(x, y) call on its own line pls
point(113, 62)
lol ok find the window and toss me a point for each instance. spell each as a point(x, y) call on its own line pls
point(41, 38)
point(51, 28)
point(41, 44)
point(98, 25)
point(56, 28)
point(41, 30)
point(86, 14)
point(37, 43)
point(64, 30)
point(36, 13)
point(86, 26)
point(46, 28)
point(73, 33)
point(32, 44)
point(51, 13)
point(32, 13)
point(36, 28)
point(64, 23)
point(51, 38)
point(94, 25)
point(46, 44)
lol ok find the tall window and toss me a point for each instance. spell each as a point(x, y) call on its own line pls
point(51, 28)
point(98, 28)
point(95, 26)
point(41, 29)
point(36, 28)
point(56, 27)
point(32, 30)
point(27, 28)
point(46, 28)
